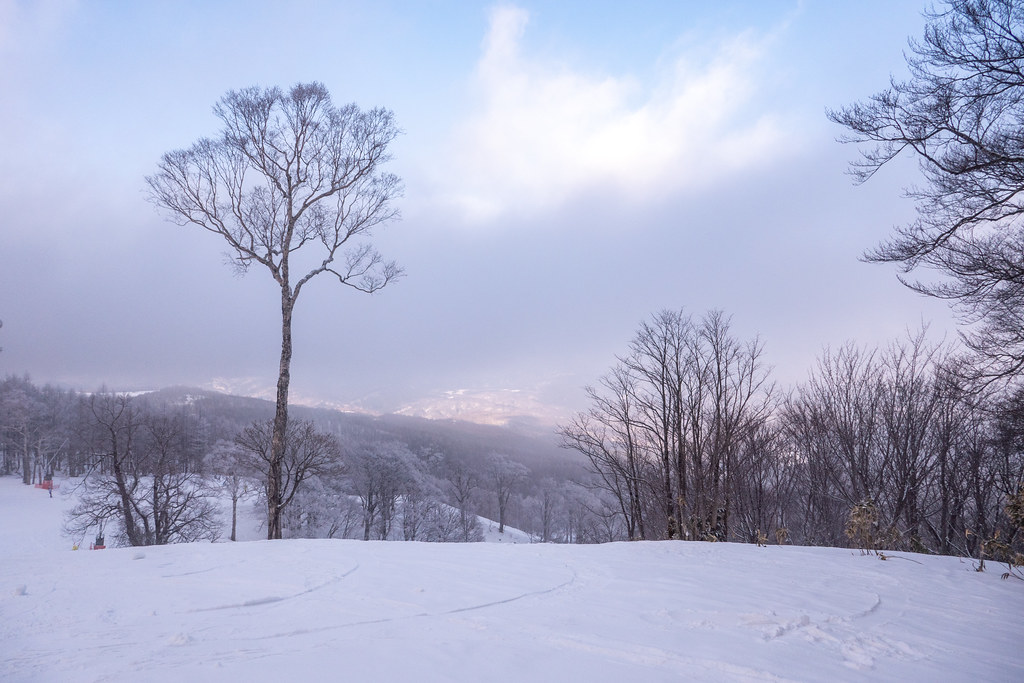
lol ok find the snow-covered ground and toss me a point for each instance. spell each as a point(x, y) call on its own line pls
point(510, 535)
point(349, 610)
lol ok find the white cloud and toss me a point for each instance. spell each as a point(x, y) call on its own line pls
point(541, 132)
point(26, 25)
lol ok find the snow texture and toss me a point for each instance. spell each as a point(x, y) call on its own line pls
point(389, 611)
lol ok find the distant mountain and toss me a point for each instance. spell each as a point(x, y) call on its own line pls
point(526, 440)
point(523, 409)
point(504, 407)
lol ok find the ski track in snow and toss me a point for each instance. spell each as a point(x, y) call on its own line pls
point(516, 598)
point(422, 615)
point(255, 602)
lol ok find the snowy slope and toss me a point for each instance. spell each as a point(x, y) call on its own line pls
point(511, 535)
point(349, 610)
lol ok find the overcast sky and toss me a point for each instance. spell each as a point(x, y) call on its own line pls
point(570, 168)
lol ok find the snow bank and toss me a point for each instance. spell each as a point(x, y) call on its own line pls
point(349, 610)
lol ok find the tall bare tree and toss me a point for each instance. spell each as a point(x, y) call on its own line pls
point(961, 115)
point(292, 183)
point(611, 435)
point(658, 362)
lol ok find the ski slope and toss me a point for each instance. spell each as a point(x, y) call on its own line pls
point(376, 611)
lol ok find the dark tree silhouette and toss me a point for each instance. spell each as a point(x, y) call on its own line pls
point(961, 115)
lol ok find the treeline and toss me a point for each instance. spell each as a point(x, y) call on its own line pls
point(157, 468)
point(687, 437)
point(889, 447)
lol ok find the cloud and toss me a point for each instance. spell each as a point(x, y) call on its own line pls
point(25, 25)
point(541, 132)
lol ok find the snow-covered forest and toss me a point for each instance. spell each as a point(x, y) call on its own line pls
point(169, 457)
point(688, 437)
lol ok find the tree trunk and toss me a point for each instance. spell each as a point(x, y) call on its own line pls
point(130, 528)
point(274, 493)
point(158, 530)
point(670, 514)
point(26, 462)
point(729, 483)
point(234, 516)
point(682, 525)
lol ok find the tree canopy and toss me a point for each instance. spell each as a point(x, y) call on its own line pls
point(961, 115)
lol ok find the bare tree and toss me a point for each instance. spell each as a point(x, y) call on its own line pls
point(443, 524)
point(463, 481)
point(177, 506)
point(307, 453)
point(323, 508)
point(227, 467)
point(291, 183)
point(834, 424)
point(961, 115)
point(896, 432)
point(21, 419)
point(765, 488)
point(116, 421)
point(667, 425)
point(725, 394)
point(543, 508)
point(381, 473)
point(424, 517)
point(610, 435)
point(909, 410)
point(658, 360)
point(143, 479)
point(505, 475)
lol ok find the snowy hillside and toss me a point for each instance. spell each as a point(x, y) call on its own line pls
point(372, 611)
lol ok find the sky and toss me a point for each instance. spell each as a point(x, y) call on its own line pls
point(570, 169)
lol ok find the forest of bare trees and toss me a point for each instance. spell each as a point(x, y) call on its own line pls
point(178, 465)
point(687, 437)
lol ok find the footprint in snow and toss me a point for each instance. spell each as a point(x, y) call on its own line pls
point(180, 639)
